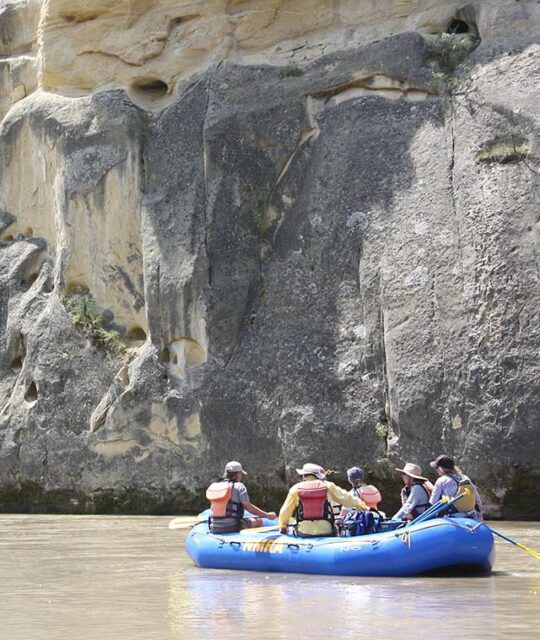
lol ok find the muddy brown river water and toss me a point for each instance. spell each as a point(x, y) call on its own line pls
point(128, 578)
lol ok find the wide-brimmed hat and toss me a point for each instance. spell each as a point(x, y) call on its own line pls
point(234, 467)
point(310, 469)
point(412, 470)
point(446, 462)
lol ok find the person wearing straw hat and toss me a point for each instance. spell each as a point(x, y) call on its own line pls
point(310, 500)
point(415, 494)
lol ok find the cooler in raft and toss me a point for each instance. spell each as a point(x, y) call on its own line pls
point(434, 545)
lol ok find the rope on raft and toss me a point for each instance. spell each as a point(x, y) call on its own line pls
point(406, 536)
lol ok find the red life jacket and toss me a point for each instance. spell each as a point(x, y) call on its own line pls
point(314, 504)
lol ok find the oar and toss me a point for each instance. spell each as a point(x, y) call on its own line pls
point(533, 553)
point(268, 529)
point(435, 510)
point(186, 522)
point(428, 511)
point(179, 519)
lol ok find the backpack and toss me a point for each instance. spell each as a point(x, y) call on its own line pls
point(360, 523)
point(465, 489)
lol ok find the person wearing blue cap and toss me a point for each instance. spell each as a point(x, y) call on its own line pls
point(366, 492)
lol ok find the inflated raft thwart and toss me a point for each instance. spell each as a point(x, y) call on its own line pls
point(434, 545)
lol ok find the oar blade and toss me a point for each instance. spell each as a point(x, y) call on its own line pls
point(533, 553)
point(185, 523)
point(179, 519)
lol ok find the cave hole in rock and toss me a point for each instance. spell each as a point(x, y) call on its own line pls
point(16, 364)
point(186, 18)
point(458, 26)
point(184, 352)
point(48, 287)
point(31, 394)
point(22, 435)
point(29, 232)
point(107, 318)
point(80, 16)
point(165, 355)
point(136, 335)
point(149, 88)
point(8, 238)
point(27, 282)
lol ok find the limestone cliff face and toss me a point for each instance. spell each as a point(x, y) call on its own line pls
point(272, 230)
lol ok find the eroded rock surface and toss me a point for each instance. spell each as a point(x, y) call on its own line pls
point(275, 231)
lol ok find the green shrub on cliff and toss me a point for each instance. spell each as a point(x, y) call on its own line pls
point(502, 153)
point(381, 429)
point(82, 307)
point(291, 71)
point(448, 52)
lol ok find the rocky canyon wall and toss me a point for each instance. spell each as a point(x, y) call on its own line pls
point(271, 230)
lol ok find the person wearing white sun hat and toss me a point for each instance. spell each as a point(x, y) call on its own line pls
point(310, 501)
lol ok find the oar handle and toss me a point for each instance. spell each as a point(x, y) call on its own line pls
point(427, 512)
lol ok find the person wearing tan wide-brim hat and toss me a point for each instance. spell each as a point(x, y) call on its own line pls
point(412, 470)
point(415, 493)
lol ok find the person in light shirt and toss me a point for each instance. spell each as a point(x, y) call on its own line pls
point(448, 484)
point(415, 493)
point(311, 502)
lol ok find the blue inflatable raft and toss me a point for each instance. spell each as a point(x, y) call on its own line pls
point(440, 544)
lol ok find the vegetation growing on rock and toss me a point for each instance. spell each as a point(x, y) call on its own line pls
point(448, 52)
point(502, 153)
point(291, 71)
point(81, 304)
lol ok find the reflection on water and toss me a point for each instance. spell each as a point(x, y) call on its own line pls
point(99, 578)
